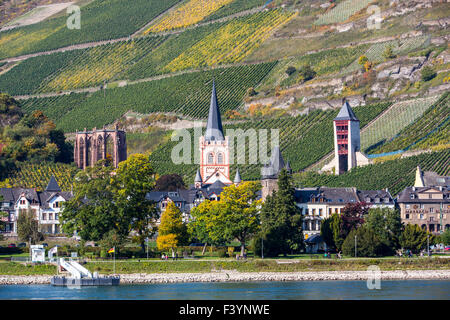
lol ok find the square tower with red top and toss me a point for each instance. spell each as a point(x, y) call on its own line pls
point(347, 140)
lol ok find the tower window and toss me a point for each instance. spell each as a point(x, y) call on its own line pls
point(220, 158)
point(210, 158)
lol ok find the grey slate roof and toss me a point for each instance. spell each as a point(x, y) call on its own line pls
point(405, 195)
point(237, 177)
point(214, 130)
point(198, 176)
point(346, 113)
point(273, 168)
point(7, 195)
point(53, 185)
point(372, 195)
point(326, 195)
point(431, 178)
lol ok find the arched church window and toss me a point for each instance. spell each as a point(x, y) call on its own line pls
point(220, 158)
point(210, 158)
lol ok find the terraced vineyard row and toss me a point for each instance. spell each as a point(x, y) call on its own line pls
point(37, 176)
point(189, 95)
point(77, 68)
point(189, 13)
point(392, 122)
point(235, 7)
point(435, 116)
point(101, 20)
point(232, 42)
point(299, 140)
point(342, 11)
point(375, 52)
point(394, 175)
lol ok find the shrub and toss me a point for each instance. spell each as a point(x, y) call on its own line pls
point(428, 73)
point(368, 243)
point(222, 253)
point(306, 73)
point(290, 70)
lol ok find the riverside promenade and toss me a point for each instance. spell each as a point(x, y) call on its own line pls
point(233, 276)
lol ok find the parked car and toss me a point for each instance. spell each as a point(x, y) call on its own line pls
point(45, 245)
point(447, 248)
point(22, 245)
point(11, 245)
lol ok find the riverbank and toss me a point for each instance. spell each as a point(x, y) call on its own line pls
point(233, 276)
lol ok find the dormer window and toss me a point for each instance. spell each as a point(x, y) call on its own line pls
point(412, 196)
point(367, 199)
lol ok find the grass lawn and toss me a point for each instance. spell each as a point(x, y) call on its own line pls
point(250, 265)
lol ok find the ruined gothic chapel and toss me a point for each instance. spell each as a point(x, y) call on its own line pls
point(95, 145)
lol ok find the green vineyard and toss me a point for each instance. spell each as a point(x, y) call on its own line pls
point(101, 20)
point(435, 117)
point(342, 11)
point(394, 175)
point(189, 96)
point(29, 175)
point(399, 116)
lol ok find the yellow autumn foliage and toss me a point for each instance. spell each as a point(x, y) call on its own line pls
point(188, 14)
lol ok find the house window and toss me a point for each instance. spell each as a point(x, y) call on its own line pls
point(44, 216)
point(430, 196)
point(210, 158)
point(50, 216)
point(407, 206)
point(422, 206)
point(431, 210)
point(421, 216)
point(22, 201)
point(56, 216)
point(407, 216)
point(313, 212)
point(306, 211)
point(320, 212)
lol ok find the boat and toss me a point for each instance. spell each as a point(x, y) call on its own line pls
point(80, 276)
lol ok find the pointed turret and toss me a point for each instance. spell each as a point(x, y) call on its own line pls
point(198, 179)
point(214, 130)
point(275, 165)
point(237, 177)
point(346, 113)
point(419, 178)
point(53, 185)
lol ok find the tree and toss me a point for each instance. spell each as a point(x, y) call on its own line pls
point(134, 178)
point(362, 60)
point(234, 216)
point(414, 238)
point(281, 219)
point(352, 217)
point(388, 53)
point(169, 182)
point(290, 70)
point(387, 224)
point(198, 227)
point(368, 243)
point(306, 73)
point(428, 73)
point(445, 237)
point(326, 232)
point(92, 212)
point(28, 227)
point(171, 230)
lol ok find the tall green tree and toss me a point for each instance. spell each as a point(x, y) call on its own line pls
point(235, 216)
point(445, 237)
point(28, 227)
point(281, 219)
point(387, 224)
point(133, 179)
point(415, 238)
point(92, 212)
point(368, 243)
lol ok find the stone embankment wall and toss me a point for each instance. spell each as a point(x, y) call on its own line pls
point(227, 276)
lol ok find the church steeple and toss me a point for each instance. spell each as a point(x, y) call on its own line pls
point(214, 130)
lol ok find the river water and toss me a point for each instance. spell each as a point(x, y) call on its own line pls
point(302, 290)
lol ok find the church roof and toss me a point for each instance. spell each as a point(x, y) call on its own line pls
point(198, 177)
point(237, 177)
point(346, 113)
point(53, 185)
point(275, 165)
point(214, 130)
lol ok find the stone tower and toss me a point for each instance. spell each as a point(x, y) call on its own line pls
point(214, 147)
point(347, 141)
point(270, 172)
